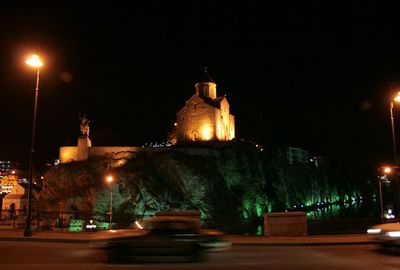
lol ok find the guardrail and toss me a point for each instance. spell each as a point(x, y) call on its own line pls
point(13, 220)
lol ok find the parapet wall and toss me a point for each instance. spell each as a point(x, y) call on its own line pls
point(70, 153)
point(285, 224)
point(115, 151)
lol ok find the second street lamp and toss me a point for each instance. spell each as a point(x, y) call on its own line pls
point(395, 158)
point(110, 180)
point(383, 178)
point(35, 62)
point(395, 99)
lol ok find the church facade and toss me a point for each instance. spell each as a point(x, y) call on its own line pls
point(205, 116)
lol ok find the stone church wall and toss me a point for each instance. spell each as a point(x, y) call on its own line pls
point(196, 122)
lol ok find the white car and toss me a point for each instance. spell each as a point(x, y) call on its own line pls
point(386, 234)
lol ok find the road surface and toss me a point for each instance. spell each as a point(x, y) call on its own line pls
point(40, 255)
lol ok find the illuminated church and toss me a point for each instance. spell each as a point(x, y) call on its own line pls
point(205, 117)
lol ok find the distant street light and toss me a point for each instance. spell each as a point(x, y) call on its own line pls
point(110, 180)
point(395, 158)
point(396, 99)
point(383, 179)
point(35, 62)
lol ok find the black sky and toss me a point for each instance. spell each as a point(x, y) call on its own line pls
point(316, 76)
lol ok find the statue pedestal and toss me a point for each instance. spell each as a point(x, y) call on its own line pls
point(84, 144)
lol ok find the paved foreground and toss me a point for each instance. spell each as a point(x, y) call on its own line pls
point(67, 256)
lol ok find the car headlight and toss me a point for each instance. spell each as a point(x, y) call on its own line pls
point(374, 231)
point(394, 234)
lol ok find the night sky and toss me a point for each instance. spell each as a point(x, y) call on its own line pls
point(315, 76)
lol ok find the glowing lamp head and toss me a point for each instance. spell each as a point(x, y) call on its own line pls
point(34, 61)
point(109, 179)
point(387, 170)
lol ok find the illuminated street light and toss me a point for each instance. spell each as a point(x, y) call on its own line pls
point(396, 99)
point(110, 180)
point(387, 170)
point(395, 158)
point(383, 179)
point(35, 62)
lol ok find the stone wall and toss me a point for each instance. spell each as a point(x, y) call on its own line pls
point(115, 151)
point(285, 224)
point(71, 153)
point(68, 154)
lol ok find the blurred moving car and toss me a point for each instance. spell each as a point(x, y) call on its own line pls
point(386, 234)
point(165, 239)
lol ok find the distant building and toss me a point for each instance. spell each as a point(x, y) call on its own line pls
point(205, 117)
point(297, 155)
point(10, 176)
point(7, 166)
point(7, 183)
point(16, 199)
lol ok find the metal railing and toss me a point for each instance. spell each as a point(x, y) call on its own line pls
point(16, 219)
point(64, 220)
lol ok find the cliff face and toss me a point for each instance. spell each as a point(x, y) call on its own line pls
point(231, 185)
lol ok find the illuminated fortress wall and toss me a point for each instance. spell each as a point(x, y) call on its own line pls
point(115, 151)
point(70, 153)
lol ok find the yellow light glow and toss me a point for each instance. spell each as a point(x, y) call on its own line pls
point(206, 133)
point(397, 98)
point(34, 61)
point(232, 133)
point(109, 178)
point(387, 169)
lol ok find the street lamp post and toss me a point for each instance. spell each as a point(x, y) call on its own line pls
point(380, 198)
point(393, 131)
point(109, 180)
point(383, 179)
point(395, 158)
point(35, 62)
